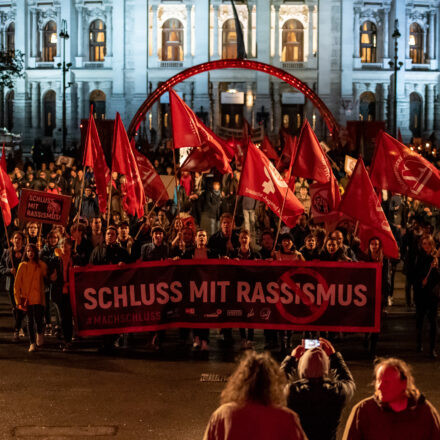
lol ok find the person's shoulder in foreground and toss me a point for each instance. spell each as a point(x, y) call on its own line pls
point(396, 411)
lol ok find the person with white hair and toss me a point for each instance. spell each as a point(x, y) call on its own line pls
point(316, 396)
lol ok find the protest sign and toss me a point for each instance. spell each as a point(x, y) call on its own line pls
point(326, 296)
point(44, 207)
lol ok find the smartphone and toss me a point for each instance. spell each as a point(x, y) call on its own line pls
point(311, 343)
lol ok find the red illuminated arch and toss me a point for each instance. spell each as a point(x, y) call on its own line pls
point(234, 64)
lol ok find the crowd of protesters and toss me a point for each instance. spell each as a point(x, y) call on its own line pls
point(197, 222)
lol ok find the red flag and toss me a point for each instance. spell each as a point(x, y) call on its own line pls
point(190, 131)
point(3, 159)
point(325, 199)
point(310, 160)
point(398, 169)
point(289, 149)
point(94, 158)
point(153, 185)
point(205, 158)
point(184, 122)
point(10, 190)
point(360, 202)
point(268, 150)
point(124, 163)
point(8, 199)
point(261, 181)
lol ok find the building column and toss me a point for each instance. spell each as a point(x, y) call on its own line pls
point(277, 33)
point(429, 112)
point(41, 44)
point(35, 93)
point(188, 30)
point(386, 19)
point(154, 9)
point(215, 54)
point(249, 31)
point(109, 33)
point(310, 55)
point(80, 31)
point(431, 52)
point(385, 91)
point(34, 34)
point(356, 28)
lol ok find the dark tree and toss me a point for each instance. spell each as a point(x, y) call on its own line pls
point(11, 67)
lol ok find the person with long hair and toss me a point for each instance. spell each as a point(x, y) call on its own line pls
point(426, 285)
point(29, 293)
point(253, 404)
point(396, 410)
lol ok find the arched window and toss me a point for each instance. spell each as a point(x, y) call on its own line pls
point(49, 106)
point(50, 41)
point(293, 41)
point(229, 39)
point(368, 42)
point(97, 104)
point(367, 107)
point(10, 111)
point(416, 44)
point(10, 38)
point(172, 40)
point(415, 114)
point(97, 41)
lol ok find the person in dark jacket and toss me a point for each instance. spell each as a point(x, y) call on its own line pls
point(110, 252)
point(397, 410)
point(300, 231)
point(157, 249)
point(9, 262)
point(226, 239)
point(315, 397)
point(82, 246)
point(89, 204)
point(309, 251)
point(427, 280)
point(211, 201)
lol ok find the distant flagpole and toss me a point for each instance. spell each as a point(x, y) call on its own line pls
point(241, 50)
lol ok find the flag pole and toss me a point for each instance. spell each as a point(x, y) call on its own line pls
point(284, 200)
point(109, 201)
point(175, 179)
point(81, 195)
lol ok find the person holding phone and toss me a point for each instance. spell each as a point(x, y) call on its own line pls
point(312, 394)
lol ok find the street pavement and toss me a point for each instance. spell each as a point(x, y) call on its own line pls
point(137, 393)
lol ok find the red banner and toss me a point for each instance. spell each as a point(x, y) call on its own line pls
point(43, 207)
point(140, 297)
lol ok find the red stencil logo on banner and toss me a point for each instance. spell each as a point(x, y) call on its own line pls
point(316, 311)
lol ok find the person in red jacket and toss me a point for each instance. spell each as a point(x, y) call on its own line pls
point(396, 411)
point(253, 404)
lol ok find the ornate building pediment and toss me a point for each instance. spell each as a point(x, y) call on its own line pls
point(44, 15)
point(371, 14)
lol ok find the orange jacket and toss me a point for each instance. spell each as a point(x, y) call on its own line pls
point(29, 282)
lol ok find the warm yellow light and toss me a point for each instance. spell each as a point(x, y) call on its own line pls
point(53, 38)
point(412, 40)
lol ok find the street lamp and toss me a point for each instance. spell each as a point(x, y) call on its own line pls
point(65, 68)
point(396, 66)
